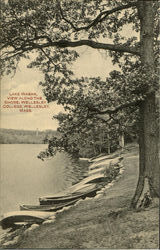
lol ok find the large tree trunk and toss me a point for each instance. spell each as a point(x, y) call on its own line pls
point(151, 145)
point(148, 136)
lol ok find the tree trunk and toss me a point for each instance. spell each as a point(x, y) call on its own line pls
point(108, 144)
point(141, 185)
point(148, 129)
point(121, 140)
point(151, 145)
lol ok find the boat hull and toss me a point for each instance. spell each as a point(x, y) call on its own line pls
point(29, 217)
point(51, 201)
point(89, 181)
point(50, 208)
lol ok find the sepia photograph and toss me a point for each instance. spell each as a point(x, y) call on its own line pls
point(79, 124)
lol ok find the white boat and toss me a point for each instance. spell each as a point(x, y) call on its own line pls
point(96, 157)
point(100, 170)
point(84, 159)
point(111, 156)
point(107, 162)
point(88, 180)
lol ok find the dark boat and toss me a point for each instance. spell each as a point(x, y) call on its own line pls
point(79, 187)
point(76, 195)
point(48, 208)
point(29, 217)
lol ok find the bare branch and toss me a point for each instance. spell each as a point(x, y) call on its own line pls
point(49, 58)
point(99, 18)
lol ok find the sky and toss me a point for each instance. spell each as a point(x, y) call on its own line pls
point(91, 63)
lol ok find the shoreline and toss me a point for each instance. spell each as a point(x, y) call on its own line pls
point(51, 219)
point(88, 216)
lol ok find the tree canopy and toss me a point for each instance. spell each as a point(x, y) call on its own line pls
point(52, 28)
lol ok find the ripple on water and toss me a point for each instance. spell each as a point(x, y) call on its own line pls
point(25, 178)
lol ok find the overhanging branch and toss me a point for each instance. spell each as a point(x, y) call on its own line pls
point(98, 19)
point(96, 45)
point(32, 44)
point(95, 111)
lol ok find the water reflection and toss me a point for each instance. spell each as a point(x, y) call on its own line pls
point(75, 170)
point(25, 178)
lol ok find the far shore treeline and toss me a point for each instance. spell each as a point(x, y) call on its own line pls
point(95, 145)
point(15, 136)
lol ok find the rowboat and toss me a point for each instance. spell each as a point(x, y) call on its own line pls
point(97, 170)
point(80, 189)
point(97, 157)
point(90, 192)
point(101, 158)
point(98, 178)
point(84, 159)
point(106, 162)
point(86, 182)
point(30, 217)
point(48, 208)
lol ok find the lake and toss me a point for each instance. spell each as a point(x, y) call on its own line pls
point(24, 177)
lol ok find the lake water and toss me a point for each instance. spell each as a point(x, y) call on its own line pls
point(24, 178)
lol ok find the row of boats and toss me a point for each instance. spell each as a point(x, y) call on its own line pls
point(87, 187)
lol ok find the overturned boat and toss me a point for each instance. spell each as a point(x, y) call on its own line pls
point(24, 217)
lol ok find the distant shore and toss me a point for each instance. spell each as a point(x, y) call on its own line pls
point(17, 136)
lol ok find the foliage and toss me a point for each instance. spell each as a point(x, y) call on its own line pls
point(87, 137)
point(53, 30)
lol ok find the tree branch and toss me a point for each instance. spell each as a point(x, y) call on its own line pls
point(103, 119)
point(99, 18)
point(30, 45)
point(49, 58)
point(96, 45)
point(95, 111)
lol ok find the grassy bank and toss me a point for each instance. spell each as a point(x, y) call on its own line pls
point(101, 222)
